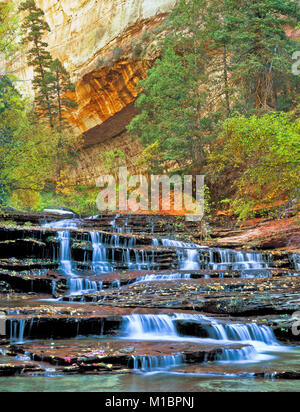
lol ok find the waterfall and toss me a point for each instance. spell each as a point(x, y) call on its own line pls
point(190, 260)
point(246, 354)
point(224, 259)
point(179, 244)
point(155, 242)
point(116, 284)
point(157, 363)
point(167, 362)
point(172, 276)
point(65, 253)
point(80, 286)
point(242, 332)
point(159, 326)
point(189, 254)
point(295, 260)
point(65, 259)
point(53, 287)
point(17, 328)
point(119, 229)
point(257, 339)
point(143, 259)
point(149, 326)
point(100, 263)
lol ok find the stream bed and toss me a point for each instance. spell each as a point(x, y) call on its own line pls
point(92, 310)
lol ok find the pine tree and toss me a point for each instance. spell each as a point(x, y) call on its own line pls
point(62, 85)
point(174, 105)
point(217, 29)
point(260, 51)
point(35, 28)
point(218, 57)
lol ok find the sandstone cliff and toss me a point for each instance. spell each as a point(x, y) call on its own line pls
point(94, 40)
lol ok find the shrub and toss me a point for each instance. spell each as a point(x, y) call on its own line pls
point(259, 159)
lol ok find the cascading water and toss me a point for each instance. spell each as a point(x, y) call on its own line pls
point(53, 283)
point(243, 355)
point(17, 329)
point(80, 286)
point(295, 259)
point(65, 253)
point(116, 284)
point(143, 259)
point(172, 276)
point(100, 263)
point(224, 259)
point(119, 229)
point(259, 338)
point(149, 326)
point(157, 363)
point(141, 326)
point(242, 332)
point(65, 260)
point(179, 244)
point(189, 255)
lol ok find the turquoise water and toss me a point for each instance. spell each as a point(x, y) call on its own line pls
point(142, 383)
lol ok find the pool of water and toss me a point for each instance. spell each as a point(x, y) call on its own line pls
point(144, 383)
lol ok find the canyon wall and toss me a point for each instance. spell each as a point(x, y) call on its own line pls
point(94, 39)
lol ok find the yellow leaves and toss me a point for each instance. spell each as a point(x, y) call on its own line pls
point(33, 160)
point(63, 184)
point(25, 199)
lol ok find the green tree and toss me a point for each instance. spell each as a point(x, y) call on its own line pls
point(34, 30)
point(9, 29)
point(261, 52)
point(218, 57)
point(28, 150)
point(256, 161)
point(9, 101)
point(175, 108)
point(62, 86)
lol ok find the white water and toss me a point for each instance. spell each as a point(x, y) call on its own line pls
point(17, 329)
point(260, 338)
point(157, 363)
point(224, 259)
point(295, 258)
point(193, 257)
point(172, 276)
point(257, 340)
point(65, 260)
point(143, 259)
point(80, 286)
point(100, 263)
point(190, 256)
point(151, 326)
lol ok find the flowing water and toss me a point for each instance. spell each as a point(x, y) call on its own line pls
point(190, 257)
point(246, 344)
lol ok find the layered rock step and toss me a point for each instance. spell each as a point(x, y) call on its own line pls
point(126, 356)
point(77, 298)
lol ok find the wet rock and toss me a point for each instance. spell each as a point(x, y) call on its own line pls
point(195, 329)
